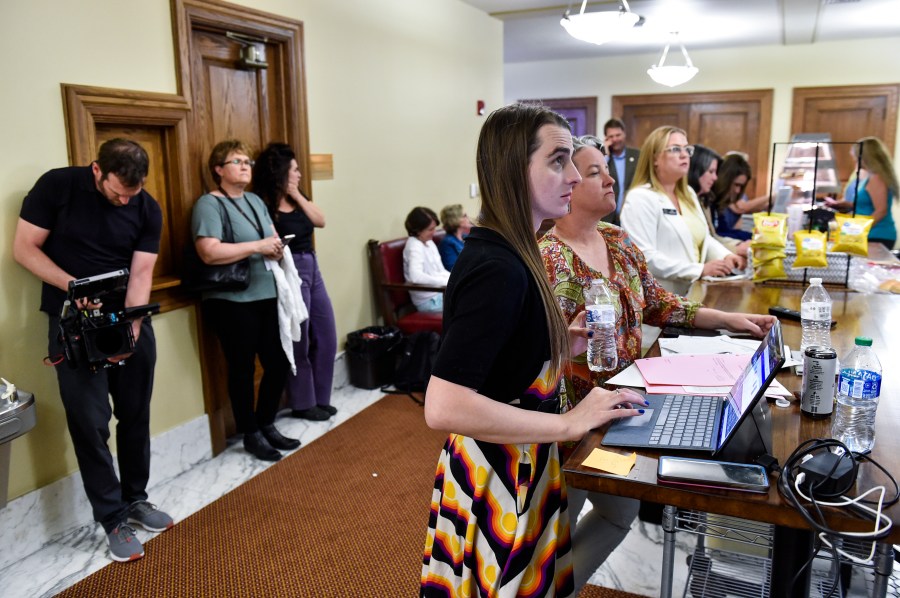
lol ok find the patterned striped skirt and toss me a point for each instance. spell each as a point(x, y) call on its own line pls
point(499, 526)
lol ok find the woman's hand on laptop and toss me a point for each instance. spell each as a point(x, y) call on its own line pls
point(600, 407)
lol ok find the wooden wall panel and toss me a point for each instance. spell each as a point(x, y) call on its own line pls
point(159, 123)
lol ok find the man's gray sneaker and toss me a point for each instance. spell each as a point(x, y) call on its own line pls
point(123, 544)
point(148, 516)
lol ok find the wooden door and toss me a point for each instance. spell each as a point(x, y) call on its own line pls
point(232, 99)
point(847, 113)
point(724, 121)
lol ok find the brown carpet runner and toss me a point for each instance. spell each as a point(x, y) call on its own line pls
point(344, 516)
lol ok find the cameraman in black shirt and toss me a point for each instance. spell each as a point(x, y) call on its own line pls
point(85, 221)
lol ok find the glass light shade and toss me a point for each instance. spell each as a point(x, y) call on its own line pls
point(672, 76)
point(599, 27)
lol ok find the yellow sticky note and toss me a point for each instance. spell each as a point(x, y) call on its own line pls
point(611, 462)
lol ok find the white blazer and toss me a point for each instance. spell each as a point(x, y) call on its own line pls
point(663, 236)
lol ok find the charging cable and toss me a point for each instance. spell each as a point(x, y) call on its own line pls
point(831, 481)
point(881, 519)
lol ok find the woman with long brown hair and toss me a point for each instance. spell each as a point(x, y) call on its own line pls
point(499, 524)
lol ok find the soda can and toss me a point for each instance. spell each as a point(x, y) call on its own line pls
point(817, 391)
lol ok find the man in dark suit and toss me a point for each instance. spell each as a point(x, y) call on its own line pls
point(622, 162)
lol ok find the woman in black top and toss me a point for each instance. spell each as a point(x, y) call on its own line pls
point(276, 178)
point(499, 524)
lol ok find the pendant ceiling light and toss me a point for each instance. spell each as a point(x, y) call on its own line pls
point(599, 27)
point(670, 75)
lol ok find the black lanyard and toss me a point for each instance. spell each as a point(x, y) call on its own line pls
point(256, 225)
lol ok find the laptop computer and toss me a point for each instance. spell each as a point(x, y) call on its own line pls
point(697, 422)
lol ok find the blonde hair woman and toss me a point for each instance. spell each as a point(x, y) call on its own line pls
point(664, 218)
point(876, 191)
point(457, 226)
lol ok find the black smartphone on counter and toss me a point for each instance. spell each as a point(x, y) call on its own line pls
point(717, 474)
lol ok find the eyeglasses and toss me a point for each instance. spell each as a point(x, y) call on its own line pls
point(238, 162)
point(677, 149)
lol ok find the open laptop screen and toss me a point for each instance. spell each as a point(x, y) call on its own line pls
point(761, 367)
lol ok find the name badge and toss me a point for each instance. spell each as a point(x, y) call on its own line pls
point(670, 211)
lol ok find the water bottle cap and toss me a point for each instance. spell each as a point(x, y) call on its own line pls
point(815, 281)
point(863, 341)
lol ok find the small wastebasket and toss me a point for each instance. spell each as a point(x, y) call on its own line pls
point(370, 360)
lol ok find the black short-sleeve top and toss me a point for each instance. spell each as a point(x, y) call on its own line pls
point(495, 337)
point(88, 235)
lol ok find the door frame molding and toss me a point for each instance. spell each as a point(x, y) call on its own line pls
point(220, 17)
point(588, 103)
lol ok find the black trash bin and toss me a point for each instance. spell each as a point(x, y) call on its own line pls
point(370, 361)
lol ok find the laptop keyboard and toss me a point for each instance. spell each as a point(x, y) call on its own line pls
point(685, 421)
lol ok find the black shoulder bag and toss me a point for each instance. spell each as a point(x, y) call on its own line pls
point(200, 276)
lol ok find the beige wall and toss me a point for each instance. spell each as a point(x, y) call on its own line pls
point(763, 67)
point(392, 87)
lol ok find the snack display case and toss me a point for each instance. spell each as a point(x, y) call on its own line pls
point(804, 171)
point(808, 166)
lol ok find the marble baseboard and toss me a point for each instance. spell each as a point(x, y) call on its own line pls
point(49, 513)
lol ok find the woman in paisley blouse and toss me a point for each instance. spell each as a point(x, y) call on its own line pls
point(579, 248)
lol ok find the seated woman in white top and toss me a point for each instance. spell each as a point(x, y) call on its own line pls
point(421, 260)
point(665, 220)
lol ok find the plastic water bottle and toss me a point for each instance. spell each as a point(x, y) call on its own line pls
point(859, 386)
point(815, 316)
point(602, 354)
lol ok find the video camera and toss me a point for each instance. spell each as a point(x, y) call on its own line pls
point(90, 337)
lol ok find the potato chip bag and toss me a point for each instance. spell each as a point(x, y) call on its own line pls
point(768, 269)
point(769, 230)
point(853, 234)
point(810, 249)
point(766, 254)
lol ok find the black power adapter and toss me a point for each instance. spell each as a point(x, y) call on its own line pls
point(829, 475)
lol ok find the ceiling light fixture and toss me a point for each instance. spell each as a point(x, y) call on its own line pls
point(673, 76)
point(599, 27)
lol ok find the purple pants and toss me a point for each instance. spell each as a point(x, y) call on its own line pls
point(314, 354)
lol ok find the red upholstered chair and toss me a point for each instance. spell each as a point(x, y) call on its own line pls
point(392, 291)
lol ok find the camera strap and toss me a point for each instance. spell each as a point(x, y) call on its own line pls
point(256, 225)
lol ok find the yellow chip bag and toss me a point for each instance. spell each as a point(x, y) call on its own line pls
point(769, 230)
point(765, 254)
point(853, 234)
point(768, 269)
point(810, 249)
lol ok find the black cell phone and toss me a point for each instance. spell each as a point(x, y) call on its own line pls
point(676, 331)
point(784, 313)
point(287, 239)
point(719, 474)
